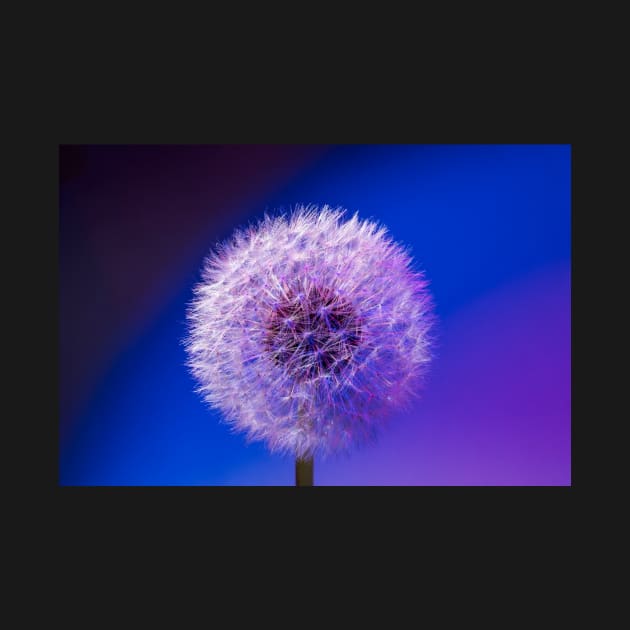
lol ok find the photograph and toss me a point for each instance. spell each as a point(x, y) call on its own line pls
point(314, 315)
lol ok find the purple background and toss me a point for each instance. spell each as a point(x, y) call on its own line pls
point(490, 224)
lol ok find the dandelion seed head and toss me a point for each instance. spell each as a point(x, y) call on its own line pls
point(306, 330)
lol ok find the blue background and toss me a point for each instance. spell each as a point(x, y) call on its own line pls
point(490, 225)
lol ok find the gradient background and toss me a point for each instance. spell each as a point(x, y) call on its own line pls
point(490, 224)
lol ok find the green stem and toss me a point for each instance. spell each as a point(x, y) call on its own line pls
point(304, 471)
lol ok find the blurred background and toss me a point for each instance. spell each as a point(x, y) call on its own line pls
point(490, 225)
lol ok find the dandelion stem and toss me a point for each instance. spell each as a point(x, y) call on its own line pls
point(304, 471)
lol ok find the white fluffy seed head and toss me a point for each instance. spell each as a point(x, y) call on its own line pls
point(306, 330)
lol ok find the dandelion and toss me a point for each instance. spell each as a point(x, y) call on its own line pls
point(307, 330)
